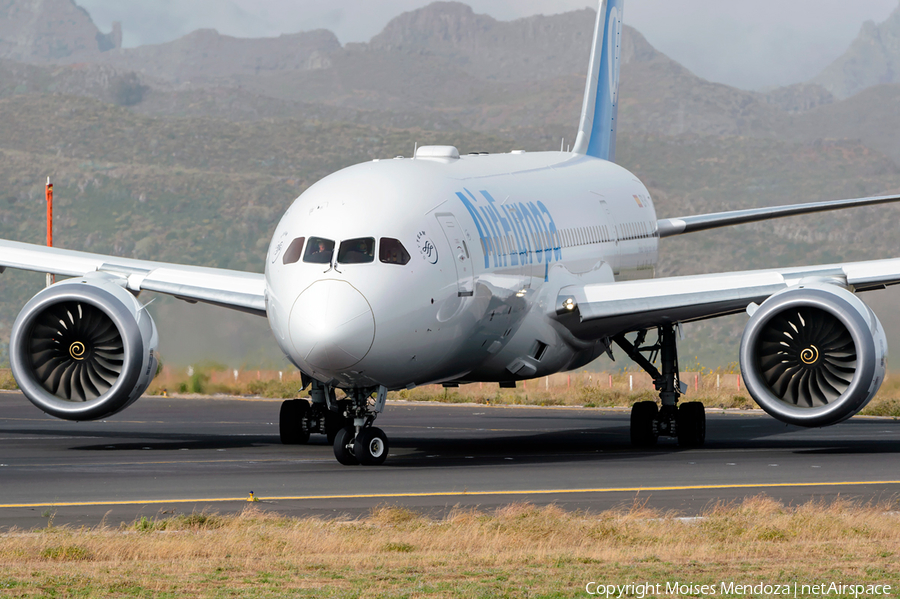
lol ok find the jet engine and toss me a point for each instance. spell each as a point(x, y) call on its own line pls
point(813, 355)
point(83, 349)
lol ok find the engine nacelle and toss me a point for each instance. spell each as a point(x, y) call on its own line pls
point(813, 355)
point(83, 349)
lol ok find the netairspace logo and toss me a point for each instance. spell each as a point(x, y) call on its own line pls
point(642, 590)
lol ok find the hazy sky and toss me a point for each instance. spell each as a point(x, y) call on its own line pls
point(749, 44)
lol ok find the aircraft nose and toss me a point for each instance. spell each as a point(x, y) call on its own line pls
point(332, 326)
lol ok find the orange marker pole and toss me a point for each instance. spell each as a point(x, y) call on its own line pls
point(49, 192)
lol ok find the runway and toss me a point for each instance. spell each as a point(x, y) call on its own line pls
point(167, 455)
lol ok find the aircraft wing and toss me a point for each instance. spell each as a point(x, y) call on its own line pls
point(668, 227)
point(594, 311)
point(243, 291)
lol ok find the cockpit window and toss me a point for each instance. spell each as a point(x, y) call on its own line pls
point(357, 251)
point(292, 253)
point(319, 251)
point(392, 252)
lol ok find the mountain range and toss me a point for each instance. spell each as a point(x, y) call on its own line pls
point(191, 150)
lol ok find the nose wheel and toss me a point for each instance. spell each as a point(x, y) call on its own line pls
point(344, 446)
point(369, 447)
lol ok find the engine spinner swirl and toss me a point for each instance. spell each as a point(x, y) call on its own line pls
point(810, 355)
point(76, 350)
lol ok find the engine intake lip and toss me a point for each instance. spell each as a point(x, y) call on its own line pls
point(22, 365)
point(791, 410)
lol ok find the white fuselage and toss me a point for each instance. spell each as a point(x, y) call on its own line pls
point(491, 240)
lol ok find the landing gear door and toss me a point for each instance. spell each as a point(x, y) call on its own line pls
point(462, 260)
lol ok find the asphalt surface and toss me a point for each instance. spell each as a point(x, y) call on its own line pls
point(170, 455)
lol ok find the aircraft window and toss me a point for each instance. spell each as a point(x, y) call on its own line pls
point(357, 251)
point(319, 251)
point(293, 251)
point(393, 252)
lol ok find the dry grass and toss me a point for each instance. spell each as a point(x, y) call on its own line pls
point(715, 388)
point(518, 550)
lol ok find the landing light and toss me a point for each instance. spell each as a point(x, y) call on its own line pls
point(520, 293)
point(569, 304)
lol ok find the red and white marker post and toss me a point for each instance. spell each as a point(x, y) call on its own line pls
point(49, 193)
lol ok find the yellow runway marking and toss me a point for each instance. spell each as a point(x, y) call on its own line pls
point(458, 494)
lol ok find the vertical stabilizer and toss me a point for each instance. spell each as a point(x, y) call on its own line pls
point(599, 113)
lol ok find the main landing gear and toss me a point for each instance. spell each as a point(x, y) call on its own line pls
point(686, 422)
point(347, 423)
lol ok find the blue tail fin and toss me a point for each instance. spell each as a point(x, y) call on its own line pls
point(599, 113)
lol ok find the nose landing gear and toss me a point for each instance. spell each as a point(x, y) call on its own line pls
point(346, 422)
point(686, 422)
point(360, 442)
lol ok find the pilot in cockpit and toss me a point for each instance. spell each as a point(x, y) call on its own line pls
point(319, 251)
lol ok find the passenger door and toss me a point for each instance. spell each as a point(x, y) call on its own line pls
point(465, 276)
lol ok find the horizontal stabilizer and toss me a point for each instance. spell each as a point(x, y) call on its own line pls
point(668, 227)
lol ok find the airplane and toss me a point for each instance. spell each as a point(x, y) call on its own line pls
point(447, 269)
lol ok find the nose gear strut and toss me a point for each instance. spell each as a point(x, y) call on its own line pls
point(686, 422)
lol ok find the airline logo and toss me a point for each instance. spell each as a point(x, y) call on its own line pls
point(511, 233)
point(426, 247)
